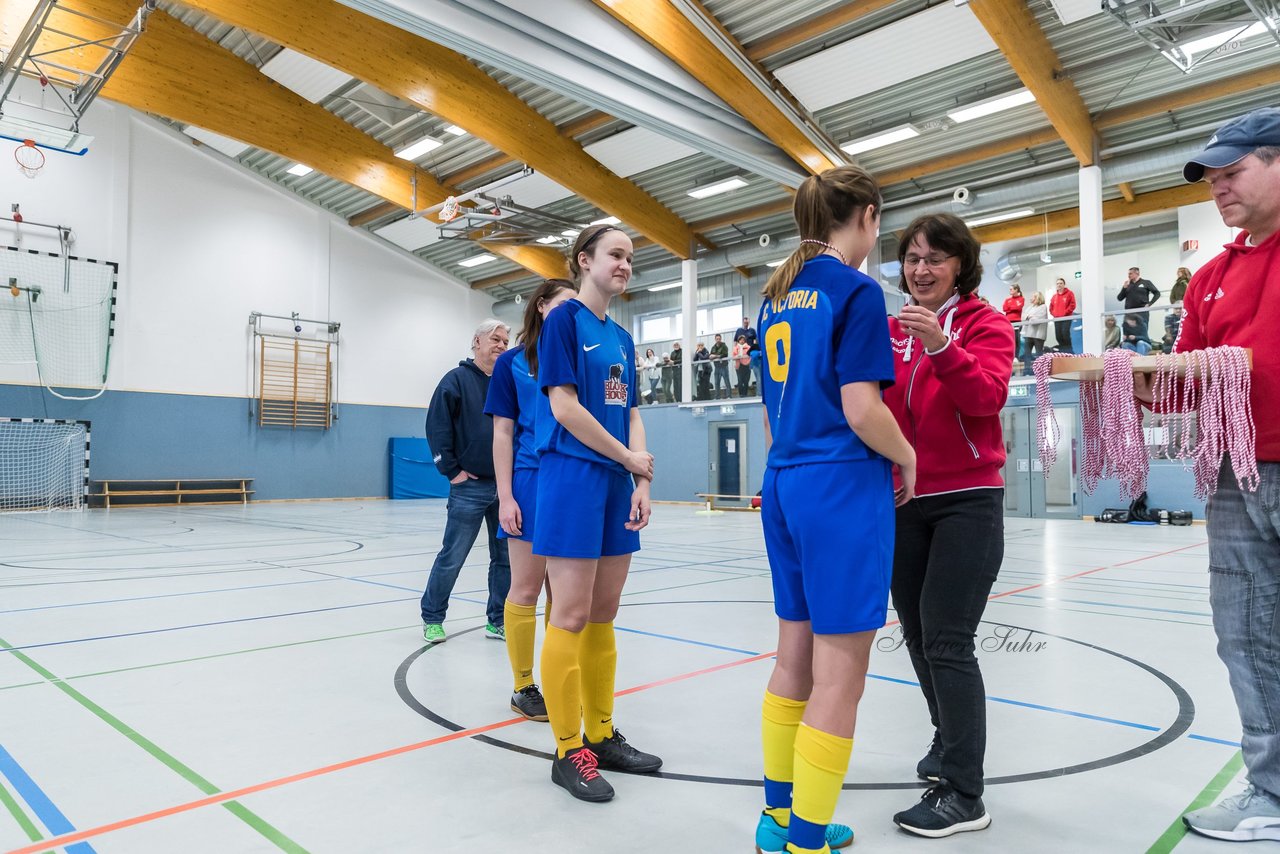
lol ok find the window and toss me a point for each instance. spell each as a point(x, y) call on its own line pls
point(669, 325)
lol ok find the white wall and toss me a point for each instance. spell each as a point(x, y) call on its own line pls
point(201, 244)
point(1159, 262)
point(1202, 222)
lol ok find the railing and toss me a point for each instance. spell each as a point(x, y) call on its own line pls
point(1143, 330)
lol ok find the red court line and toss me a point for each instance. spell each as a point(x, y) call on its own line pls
point(236, 794)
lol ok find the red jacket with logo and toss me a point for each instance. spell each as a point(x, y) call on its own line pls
point(948, 403)
point(1062, 303)
point(1012, 309)
point(1235, 300)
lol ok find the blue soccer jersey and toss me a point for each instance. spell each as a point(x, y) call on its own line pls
point(597, 357)
point(828, 331)
point(513, 393)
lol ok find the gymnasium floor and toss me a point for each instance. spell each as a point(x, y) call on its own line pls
point(236, 680)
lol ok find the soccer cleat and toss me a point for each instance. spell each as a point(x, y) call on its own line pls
point(930, 767)
point(1252, 814)
point(433, 633)
point(492, 632)
point(771, 837)
point(528, 702)
point(943, 811)
point(615, 754)
point(577, 773)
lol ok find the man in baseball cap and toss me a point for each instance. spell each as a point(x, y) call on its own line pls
point(1234, 300)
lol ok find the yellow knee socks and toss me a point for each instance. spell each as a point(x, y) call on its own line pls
point(561, 687)
point(522, 625)
point(599, 672)
point(778, 722)
point(821, 761)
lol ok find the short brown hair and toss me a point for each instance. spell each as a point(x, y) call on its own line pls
point(950, 234)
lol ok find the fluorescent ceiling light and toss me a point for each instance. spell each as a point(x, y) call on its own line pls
point(455, 130)
point(992, 105)
point(1213, 42)
point(880, 140)
point(570, 233)
point(549, 239)
point(777, 263)
point(415, 150)
point(477, 260)
point(1000, 217)
point(718, 187)
point(609, 220)
point(300, 170)
point(666, 287)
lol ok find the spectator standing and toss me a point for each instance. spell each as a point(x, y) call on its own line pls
point(720, 358)
point(1035, 328)
point(1179, 289)
point(702, 372)
point(667, 370)
point(652, 374)
point(1012, 309)
point(742, 361)
point(1062, 305)
point(1138, 292)
point(677, 378)
point(461, 440)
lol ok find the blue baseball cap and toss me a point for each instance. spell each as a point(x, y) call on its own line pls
point(1234, 141)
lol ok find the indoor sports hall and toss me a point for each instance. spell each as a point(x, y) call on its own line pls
point(247, 245)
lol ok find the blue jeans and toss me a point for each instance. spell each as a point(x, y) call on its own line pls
point(1244, 586)
point(471, 503)
point(1142, 348)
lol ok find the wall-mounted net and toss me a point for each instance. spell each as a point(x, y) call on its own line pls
point(57, 313)
point(44, 464)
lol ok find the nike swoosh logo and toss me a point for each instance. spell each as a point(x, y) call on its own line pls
point(587, 349)
point(566, 738)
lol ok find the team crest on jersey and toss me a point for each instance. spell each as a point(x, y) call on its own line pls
point(615, 390)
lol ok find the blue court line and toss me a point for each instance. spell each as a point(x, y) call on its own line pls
point(159, 596)
point(1109, 605)
point(1211, 740)
point(45, 810)
point(204, 625)
point(686, 640)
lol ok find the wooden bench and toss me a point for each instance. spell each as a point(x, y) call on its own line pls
point(170, 492)
point(710, 498)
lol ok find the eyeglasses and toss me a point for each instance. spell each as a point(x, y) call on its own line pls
point(933, 261)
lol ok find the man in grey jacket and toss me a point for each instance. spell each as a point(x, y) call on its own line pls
point(461, 440)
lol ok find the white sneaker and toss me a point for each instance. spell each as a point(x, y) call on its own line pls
point(1252, 814)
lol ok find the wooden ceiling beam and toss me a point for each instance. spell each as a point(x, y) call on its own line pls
point(1192, 96)
point(1067, 218)
point(1014, 29)
point(541, 260)
point(846, 13)
point(449, 85)
point(668, 29)
point(1126, 190)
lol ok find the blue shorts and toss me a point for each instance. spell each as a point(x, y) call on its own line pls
point(524, 489)
point(828, 530)
point(585, 508)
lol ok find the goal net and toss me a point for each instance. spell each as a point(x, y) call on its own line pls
point(56, 316)
point(44, 464)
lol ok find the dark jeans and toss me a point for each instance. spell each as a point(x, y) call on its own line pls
point(471, 503)
point(1244, 592)
point(722, 378)
point(1033, 349)
point(744, 380)
point(948, 550)
point(1062, 329)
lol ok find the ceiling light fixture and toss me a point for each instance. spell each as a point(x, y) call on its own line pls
point(998, 104)
point(477, 260)
point(1000, 217)
point(1217, 40)
point(300, 170)
point(549, 239)
point(415, 150)
point(570, 233)
point(455, 130)
point(666, 287)
point(723, 186)
point(888, 137)
point(609, 220)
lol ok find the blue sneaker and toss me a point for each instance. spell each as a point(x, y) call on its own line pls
point(771, 837)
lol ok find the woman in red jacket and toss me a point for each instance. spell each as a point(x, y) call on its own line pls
point(1062, 305)
point(1012, 309)
point(951, 380)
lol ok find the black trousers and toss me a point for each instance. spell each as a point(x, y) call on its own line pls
point(1062, 330)
point(947, 554)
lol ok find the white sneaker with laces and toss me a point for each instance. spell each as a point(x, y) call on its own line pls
point(1251, 815)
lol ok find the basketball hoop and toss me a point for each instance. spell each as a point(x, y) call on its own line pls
point(449, 210)
point(30, 158)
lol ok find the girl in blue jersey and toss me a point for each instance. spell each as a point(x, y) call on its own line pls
point(828, 502)
point(512, 401)
point(595, 471)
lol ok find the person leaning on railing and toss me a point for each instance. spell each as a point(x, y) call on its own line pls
point(1035, 328)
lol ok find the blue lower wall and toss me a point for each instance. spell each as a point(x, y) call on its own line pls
point(681, 445)
point(139, 435)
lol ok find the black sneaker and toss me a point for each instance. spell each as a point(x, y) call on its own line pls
point(930, 767)
point(943, 811)
point(528, 702)
point(576, 773)
point(616, 754)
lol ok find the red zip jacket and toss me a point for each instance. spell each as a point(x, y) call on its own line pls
point(1012, 309)
point(1062, 304)
point(948, 404)
point(1235, 300)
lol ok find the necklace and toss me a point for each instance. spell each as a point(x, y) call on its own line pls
point(823, 243)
